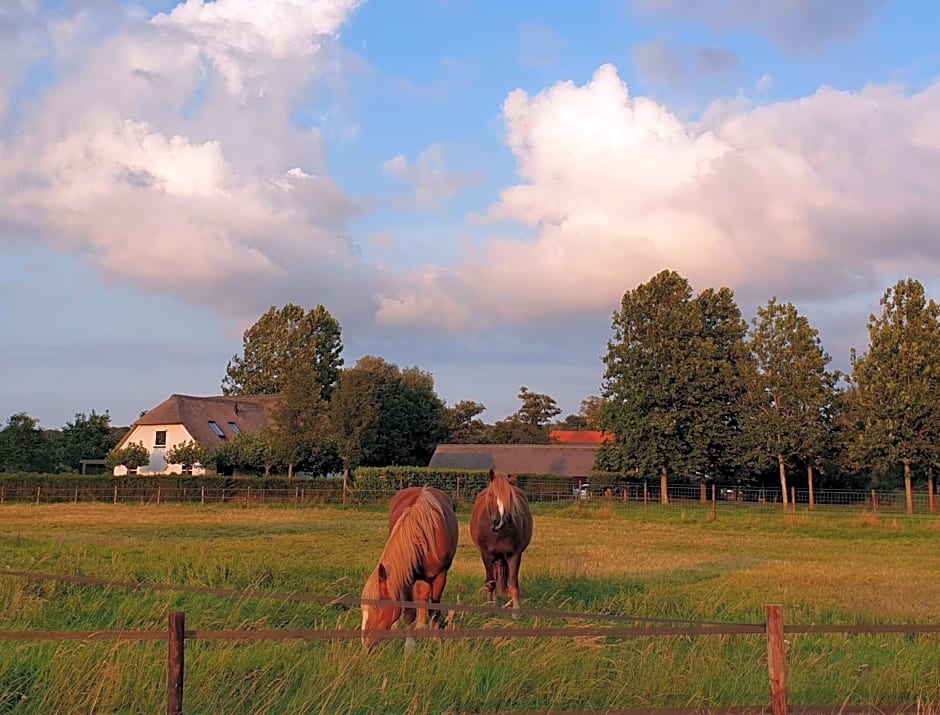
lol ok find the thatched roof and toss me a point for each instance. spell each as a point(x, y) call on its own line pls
point(568, 460)
point(249, 414)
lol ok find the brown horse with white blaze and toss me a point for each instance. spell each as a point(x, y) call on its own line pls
point(501, 528)
point(421, 545)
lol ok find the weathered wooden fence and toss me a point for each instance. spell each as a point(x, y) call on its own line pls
point(773, 628)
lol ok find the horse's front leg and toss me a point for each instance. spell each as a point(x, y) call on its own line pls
point(489, 566)
point(513, 563)
point(420, 593)
point(437, 592)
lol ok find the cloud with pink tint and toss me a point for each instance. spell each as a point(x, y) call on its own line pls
point(819, 197)
point(235, 34)
point(133, 158)
point(433, 184)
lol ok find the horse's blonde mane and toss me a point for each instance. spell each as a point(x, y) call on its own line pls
point(501, 489)
point(410, 539)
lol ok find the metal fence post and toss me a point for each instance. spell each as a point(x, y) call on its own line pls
point(176, 637)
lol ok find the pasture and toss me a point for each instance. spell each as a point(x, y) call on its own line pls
point(668, 562)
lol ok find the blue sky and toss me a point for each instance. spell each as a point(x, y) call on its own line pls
point(469, 186)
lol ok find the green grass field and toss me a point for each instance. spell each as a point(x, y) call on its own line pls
point(672, 562)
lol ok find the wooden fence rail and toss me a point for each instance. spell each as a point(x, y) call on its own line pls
point(774, 629)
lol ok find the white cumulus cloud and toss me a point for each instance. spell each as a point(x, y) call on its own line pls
point(819, 197)
point(165, 152)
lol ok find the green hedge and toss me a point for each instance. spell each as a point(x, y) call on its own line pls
point(391, 479)
point(461, 482)
point(172, 481)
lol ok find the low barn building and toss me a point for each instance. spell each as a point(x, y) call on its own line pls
point(564, 460)
point(208, 420)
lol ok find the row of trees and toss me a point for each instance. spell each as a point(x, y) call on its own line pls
point(691, 389)
point(372, 414)
point(25, 447)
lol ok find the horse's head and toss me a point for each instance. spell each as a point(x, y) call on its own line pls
point(500, 505)
point(377, 618)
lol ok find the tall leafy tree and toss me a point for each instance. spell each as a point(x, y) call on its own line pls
point(897, 386)
point(462, 423)
point(86, 437)
point(592, 409)
point(354, 414)
point(284, 342)
point(383, 415)
point(787, 406)
point(724, 361)
point(529, 424)
point(666, 380)
point(23, 446)
point(537, 409)
point(301, 419)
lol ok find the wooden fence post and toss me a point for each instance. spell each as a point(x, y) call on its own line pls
point(776, 659)
point(158, 496)
point(714, 505)
point(202, 496)
point(75, 500)
point(174, 662)
point(874, 502)
point(115, 494)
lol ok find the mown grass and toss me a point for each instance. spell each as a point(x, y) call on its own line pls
point(674, 562)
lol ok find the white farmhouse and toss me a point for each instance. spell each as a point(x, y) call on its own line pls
point(208, 420)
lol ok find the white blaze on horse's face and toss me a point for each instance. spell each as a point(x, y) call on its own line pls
point(365, 616)
point(501, 507)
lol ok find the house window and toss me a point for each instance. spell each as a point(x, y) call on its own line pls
point(235, 428)
point(160, 438)
point(218, 430)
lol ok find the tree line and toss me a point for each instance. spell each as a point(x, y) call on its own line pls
point(690, 390)
point(25, 447)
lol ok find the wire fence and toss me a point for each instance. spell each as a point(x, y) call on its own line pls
point(309, 492)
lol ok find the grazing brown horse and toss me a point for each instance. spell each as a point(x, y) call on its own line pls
point(421, 544)
point(501, 527)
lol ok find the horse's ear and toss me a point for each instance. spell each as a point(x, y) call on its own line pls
point(383, 574)
point(512, 478)
point(492, 474)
